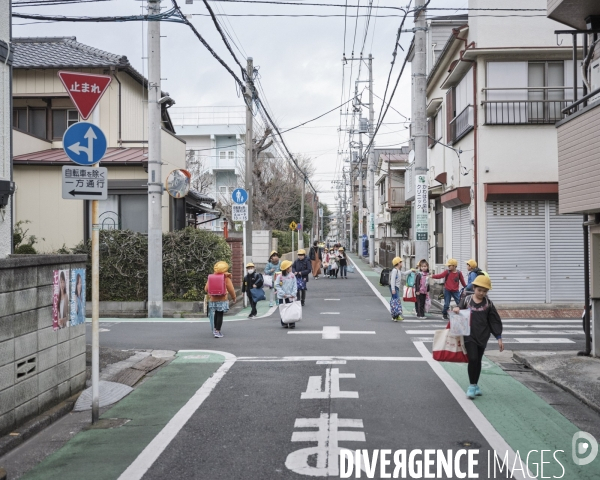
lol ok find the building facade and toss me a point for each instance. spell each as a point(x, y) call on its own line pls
point(492, 102)
point(6, 184)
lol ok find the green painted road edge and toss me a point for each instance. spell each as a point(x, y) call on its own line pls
point(105, 453)
point(526, 422)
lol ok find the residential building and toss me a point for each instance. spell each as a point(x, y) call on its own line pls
point(391, 164)
point(215, 151)
point(578, 145)
point(42, 111)
point(6, 183)
point(494, 93)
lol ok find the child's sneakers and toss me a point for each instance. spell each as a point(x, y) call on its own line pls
point(471, 391)
point(478, 392)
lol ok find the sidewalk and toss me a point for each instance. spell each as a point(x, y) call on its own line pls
point(577, 375)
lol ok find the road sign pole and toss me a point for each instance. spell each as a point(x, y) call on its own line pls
point(245, 300)
point(293, 259)
point(95, 298)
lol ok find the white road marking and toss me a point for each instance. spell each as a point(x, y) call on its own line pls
point(330, 313)
point(543, 340)
point(514, 326)
point(312, 359)
point(528, 320)
point(481, 423)
point(513, 332)
point(327, 450)
point(331, 299)
point(331, 362)
point(154, 449)
point(331, 389)
point(329, 333)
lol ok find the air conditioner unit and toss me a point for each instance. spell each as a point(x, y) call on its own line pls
point(595, 78)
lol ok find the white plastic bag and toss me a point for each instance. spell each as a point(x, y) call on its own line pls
point(460, 323)
point(290, 312)
point(267, 281)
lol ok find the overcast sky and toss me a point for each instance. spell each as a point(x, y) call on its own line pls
point(300, 62)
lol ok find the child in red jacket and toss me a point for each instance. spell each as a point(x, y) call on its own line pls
point(451, 285)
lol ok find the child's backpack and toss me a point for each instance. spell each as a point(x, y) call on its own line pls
point(384, 278)
point(411, 279)
point(216, 285)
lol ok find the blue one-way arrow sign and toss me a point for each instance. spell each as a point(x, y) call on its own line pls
point(84, 143)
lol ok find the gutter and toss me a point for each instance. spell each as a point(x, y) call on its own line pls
point(114, 71)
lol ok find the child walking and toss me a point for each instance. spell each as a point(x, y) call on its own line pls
point(343, 263)
point(287, 288)
point(301, 268)
point(273, 266)
point(451, 285)
point(422, 288)
point(218, 303)
point(484, 320)
point(253, 279)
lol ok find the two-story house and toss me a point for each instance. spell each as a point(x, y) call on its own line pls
point(494, 93)
point(42, 111)
point(578, 138)
point(215, 143)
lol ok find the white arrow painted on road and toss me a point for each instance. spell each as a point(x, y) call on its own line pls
point(77, 148)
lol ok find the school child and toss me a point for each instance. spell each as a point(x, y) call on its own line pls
point(333, 265)
point(287, 288)
point(273, 266)
point(396, 284)
point(474, 272)
point(484, 320)
point(253, 279)
point(218, 302)
point(343, 263)
point(301, 268)
point(452, 278)
point(326, 263)
point(422, 288)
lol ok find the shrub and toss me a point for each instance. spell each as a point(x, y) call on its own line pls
point(25, 249)
point(284, 241)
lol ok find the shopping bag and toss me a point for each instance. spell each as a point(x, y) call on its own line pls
point(395, 307)
point(428, 303)
point(267, 281)
point(301, 283)
point(290, 312)
point(448, 347)
point(257, 294)
point(460, 323)
point(409, 294)
point(350, 269)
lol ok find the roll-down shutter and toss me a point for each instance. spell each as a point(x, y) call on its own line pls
point(516, 251)
point(461, 236)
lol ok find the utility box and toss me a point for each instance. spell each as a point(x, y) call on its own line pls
point(7, 188)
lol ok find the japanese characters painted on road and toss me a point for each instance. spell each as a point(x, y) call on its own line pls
point(421, 207)
point(293, 226)
point(85, 89)
point(84, 143)
point(88, 183)
point(178, 183)
point(239, 196)
point(239, 213)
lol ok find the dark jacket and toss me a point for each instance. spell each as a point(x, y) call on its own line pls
point(418, 282)
point(315, 253)
point(343, 259)
point(302, 266)
point(484, 320)
point(250, 280)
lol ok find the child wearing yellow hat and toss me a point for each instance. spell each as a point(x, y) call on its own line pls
point(452, 278)
point(219, 304)
point(252, 279)
point(287, 288)
point(273, 266)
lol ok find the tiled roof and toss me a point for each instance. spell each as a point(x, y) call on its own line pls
point(62, 52)
point(57, 156)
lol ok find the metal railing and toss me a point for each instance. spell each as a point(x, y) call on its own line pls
point(208, 115)
point(461, 124)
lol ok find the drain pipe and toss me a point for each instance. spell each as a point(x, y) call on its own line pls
point(586, 269)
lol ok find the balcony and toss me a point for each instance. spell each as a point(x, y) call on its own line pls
point(397, 198)
point(525, 106)
point(461, 124)
point(194, 116)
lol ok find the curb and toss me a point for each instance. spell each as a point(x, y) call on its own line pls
point(33, 427)
point(567, 389)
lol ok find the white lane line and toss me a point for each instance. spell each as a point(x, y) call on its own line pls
point(330, 313)
point(331, 362)
point(329, 333)
point(329, 359)
point(513, 332)
point(483, 425)
point(513, 326)
point(331, 299)
point(538, 341)
point(530, 320)
point(154, 449)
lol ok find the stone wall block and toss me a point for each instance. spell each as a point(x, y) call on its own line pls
point(18, 278)
point(78, 383)
point(47, 379)
point(7, 400)
point(47, 337)
point(26, 345)
point(63, 334)
point(77, 346)
point(7, 352)
point(44, 296)
point(7, 300)
point(45, 273)
point(77, 330)
point(25, 322)
point(27, 410)
point(77, 365)
point(63, 352)
point(8, 421)
point(48, 399)
point(25, 299)
point(26, 390)
point(44, 317)
point(63, 372)
point(47, 358)
point(7, 327)
point(64, 390)
point(7, 376)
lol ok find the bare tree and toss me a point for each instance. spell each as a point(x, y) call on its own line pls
point(197, 165)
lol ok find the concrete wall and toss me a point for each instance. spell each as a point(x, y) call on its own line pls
point(39, 367)
point(261, 247)
point(5, 139)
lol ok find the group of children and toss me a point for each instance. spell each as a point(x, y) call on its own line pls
point(335, 261)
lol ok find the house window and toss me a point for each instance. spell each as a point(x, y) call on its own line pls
point(61, 120)
point(459, 109)
point(434, 128)
point(30, 120)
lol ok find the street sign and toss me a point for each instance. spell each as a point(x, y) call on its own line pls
point(239, 196)
point(321, 212)
point(421, 208)
point(299, 227)
point(84, 143)
point(239, 213)
point(293, 226)
point(84, 183)
point(85, 89)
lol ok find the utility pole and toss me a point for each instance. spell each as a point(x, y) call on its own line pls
point(155, 184)
point(360, 197)
point(344, 208)
point(371, 168)
point(249, 96)
point(301, 229)
point(420, 217)
point(351, 200)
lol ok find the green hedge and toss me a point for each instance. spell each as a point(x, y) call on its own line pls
point(188, 258)
point(284, 241)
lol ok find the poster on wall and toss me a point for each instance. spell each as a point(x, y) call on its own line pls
point(77, 296)
point(60, 300)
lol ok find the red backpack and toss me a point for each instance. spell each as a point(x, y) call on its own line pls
point(216, 285)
